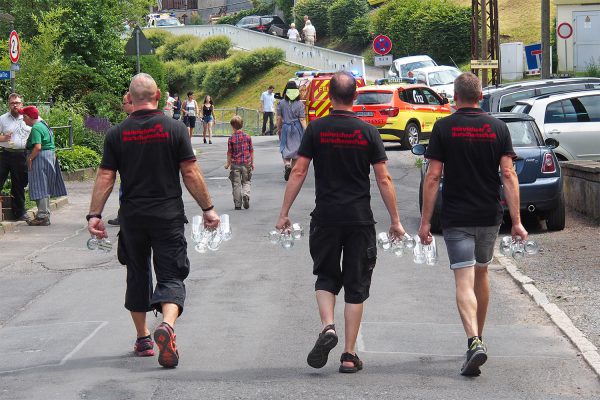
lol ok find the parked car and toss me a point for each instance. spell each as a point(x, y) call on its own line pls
point(538, 170)
point(402, 66)
point(164, 19)
point(440, 78)
point(401, 112)
point(574, 118)
point(504, 97)
point(271, 24)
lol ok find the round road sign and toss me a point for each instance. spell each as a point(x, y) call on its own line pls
point(382, 45)
point(564, 30)
point(14, 47)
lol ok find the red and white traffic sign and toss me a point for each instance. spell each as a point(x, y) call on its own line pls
point(564, 30)
point(14, 47)
point(382, 45)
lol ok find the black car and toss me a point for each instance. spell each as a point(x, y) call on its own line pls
point(271, 24)
point(538, 170)
point(503, 98)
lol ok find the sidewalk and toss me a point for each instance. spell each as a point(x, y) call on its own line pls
point(11, 226)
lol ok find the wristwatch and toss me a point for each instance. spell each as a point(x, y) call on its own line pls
point(90, 216)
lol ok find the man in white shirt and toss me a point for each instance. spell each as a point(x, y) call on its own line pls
point(267, 99)
point(13, 137)
point(309, 32)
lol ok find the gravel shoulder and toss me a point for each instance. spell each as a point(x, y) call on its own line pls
point(567, 269)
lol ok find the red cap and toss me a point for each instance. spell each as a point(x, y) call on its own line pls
point(30, 111)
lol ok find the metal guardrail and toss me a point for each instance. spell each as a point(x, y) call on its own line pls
point(69, 144)
point(252, 121)
point(296, 53)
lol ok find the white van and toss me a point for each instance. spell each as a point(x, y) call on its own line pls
point(402, 66)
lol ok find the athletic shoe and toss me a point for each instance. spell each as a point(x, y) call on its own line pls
point(164, 336)
point(246, 201)
point(317, 358)
point(39, 222)
point(144, 347)
point(476, 357)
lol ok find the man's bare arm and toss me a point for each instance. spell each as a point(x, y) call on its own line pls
point(196, 185)
point(510, 181)
point(297, 177)
point(105, 180)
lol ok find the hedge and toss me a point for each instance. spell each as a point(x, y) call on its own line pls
point(341, 12)
point(317, 13)
point(167, 51)
point(177, 73)
point(157, 37)
point(360, 32)
point(438, 28)
point(221, 78)
point(251, 64)
point(77, 158)
point(210, 49)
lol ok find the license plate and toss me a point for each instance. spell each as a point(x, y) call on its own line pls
point(364, 113)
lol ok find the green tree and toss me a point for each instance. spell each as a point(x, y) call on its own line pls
point(317, 13)
point(342, 12)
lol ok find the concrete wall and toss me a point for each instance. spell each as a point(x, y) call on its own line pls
point(582, 187)
point(296, 53)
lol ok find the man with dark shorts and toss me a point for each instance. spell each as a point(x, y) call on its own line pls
point(149, 150)
point(470, 147)
point(343, 149)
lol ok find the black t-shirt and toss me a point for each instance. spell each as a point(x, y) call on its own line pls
point(146, 149)
point(470, 143)
point(343, 148)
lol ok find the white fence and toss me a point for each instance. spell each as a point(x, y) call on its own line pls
point(296, 53)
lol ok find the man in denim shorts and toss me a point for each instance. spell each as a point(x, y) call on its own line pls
point(470, 147)
point(342, 227)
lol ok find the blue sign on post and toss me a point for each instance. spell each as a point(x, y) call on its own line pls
point(4, 75)
point(533, 55)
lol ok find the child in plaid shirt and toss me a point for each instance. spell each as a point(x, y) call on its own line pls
point(240, 158)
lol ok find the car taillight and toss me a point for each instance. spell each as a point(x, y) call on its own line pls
point(390, 112)
point(548, 166)
point(261, 28)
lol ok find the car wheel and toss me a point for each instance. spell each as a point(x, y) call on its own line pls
point(411, 135)
point(555, 220)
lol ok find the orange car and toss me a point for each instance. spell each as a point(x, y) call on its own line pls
point(401, 112)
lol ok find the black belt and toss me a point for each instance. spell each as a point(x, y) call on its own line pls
point(14, 150)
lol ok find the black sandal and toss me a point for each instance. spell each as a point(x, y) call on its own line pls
point(353, 358)
point(317, 358)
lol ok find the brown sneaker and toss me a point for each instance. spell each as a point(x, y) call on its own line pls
point(39, 222)
point(164, 336)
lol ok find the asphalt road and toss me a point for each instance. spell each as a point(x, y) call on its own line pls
point(250, 316)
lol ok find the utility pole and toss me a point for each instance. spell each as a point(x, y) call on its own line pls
point(546, 39)
point(485, 38)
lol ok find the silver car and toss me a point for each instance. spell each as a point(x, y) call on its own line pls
point(571, 118)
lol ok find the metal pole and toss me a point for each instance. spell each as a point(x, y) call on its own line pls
point(70, 133)
point(546, 55)
point(137, 48)
point(484, 44)
point(12, 73)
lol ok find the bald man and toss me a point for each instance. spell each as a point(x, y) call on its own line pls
point(149, 150)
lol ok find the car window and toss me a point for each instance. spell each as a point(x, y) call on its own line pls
point(414, 96)
point(266, 20)
point(507, 102)
point(592, 107)
point(485, 103)
point(243, 21)
point(430, 97)
point(373, 98)
point(522, 133)
point(421, 78)
point(406, 68)
point(445, 77)
point(573, 110)
point(521, 108)
point(554, 113)
point(277, 20)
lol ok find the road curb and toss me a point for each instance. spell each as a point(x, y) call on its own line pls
point(588, 351)
point(10, 226)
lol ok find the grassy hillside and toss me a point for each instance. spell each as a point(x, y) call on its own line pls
point(519, 20)
point(248, 93)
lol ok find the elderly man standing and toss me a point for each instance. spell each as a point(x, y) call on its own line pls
point(13, 138)
point(470, 147)
point(150, 150)
point(343, 148)
point(267, 101)
point(309, 32)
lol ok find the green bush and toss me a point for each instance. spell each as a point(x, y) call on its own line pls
point(341, 12)
point(257, 61)
point(438, 28)
point(77, 158)
point(221, 78)
point(168, 50)
point(177, 75)
point(212, 48)
point(197, 72)
point(59, 115)
point(592, 69)
point(359, 31)
point(317, 13)
point(77, 80)
point(157, 37)
point(102, 104)
point(91, 139)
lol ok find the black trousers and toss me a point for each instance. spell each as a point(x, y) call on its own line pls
point(166, 248)
point(267, 115)
point(15, 164)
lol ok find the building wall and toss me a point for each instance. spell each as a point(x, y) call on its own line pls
point(564, 13)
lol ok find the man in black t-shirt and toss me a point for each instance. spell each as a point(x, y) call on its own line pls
point(150, 150)
point(469, 147)
point(343, 149)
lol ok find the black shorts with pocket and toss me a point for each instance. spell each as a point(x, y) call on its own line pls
point(356, 243)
